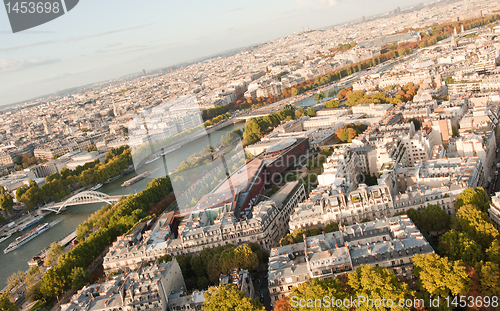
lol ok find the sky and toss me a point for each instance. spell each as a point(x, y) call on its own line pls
point(102, 40)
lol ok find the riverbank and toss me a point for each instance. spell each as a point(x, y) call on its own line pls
point(74, 215)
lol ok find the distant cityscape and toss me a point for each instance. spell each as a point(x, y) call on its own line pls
point(368, 151)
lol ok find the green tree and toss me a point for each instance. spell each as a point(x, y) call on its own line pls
point(454, 131)
point(32, 196)
point(416, 123)
point(213, 269)
point(439, 276)
point(489, 279)
point(431, 219)
point(229, 298)
point(460, 246)
point(332, 104)
point(16, 278)
point(476, 224)
point(6, 201)
point(6, 304)
point(332, 93)
point(477, 197)
point(33, 293)
point(199, 266)
point(79, 277)
point(493, 252)
point(165, 258)
point(449, 80)
point(378, 283)
point(55, 250)
point(317, 289)
point(203, 282)
point(311, 112)
point(53, 283)
point(184, 262)
point(331, 227)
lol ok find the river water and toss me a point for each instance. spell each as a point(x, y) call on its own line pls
point(74, 215)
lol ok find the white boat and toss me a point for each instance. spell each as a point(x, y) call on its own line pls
point(96, 187)
point(4, 237)
point(31, 223)
point(152, 160)
point(27, 237)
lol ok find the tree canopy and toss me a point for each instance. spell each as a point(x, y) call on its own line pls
point(440, 276)
point(378, 283)
point(229, 298)
point(6, 201)
point(477, 197)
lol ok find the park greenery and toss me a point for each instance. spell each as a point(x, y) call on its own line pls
point(58, 186)
point(346, 133)
point(6, 201)
point(229, 298)
point(332, 104)
point(204, 269)
point(301, 112)
point(24, 161)
point(298, 236)
point(217, 119)
point(258, 127)
point(353, 98)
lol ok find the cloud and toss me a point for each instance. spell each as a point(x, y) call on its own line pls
point(26, 46)
point(110, 45)
point(126, 49)
point(329, 3)
point(9, 65)
point(80, 38)
point(62, 76)
point(235, 9)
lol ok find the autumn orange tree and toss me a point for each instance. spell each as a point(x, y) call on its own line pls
point(282, 304)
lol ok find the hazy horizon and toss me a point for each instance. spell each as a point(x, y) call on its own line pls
point(98, 43)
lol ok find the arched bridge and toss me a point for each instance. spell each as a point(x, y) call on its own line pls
point(85, 197)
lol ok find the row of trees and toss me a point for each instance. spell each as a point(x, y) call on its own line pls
point(212, 112)
point(59, 186)
point(97, 233)
point(301, 112)
point(439, 32)
point(332, 104)
point(257, 127)
point(443, 31)
point(217, 119)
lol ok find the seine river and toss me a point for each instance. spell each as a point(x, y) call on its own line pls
point(74, 215)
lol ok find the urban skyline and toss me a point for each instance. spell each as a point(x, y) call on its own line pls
point(68, 52)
